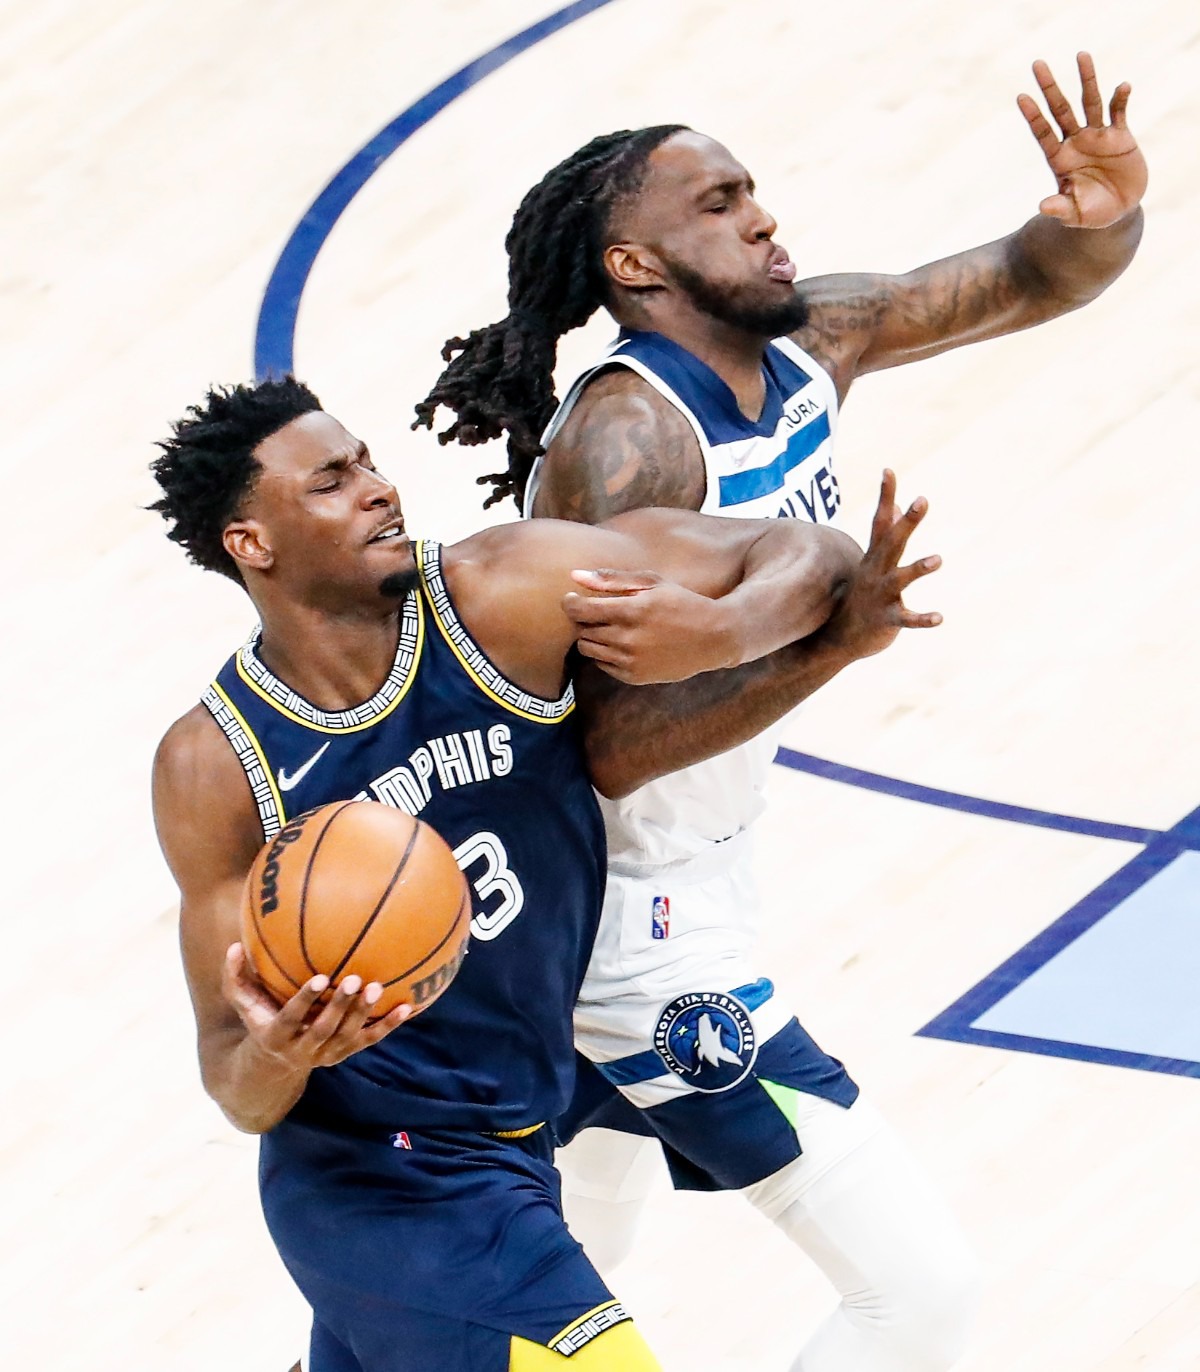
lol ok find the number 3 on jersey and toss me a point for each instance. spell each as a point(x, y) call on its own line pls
point(484, 860)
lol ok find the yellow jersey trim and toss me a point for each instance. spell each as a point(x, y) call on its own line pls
point(250, 754)
point(473, 660)
point(400, 679)
point(622, 1349)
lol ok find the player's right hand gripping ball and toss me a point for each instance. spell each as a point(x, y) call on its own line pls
point(357, 888)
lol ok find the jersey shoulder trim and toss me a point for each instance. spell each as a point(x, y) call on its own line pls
point(281, 697)
point(473, 660)
point(809, 364)
point(250, 754)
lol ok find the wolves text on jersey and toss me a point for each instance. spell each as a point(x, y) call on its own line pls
point(822, 487)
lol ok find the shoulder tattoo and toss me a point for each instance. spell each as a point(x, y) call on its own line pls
point(624, 447)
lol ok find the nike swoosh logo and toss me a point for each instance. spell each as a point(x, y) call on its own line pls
point(287, 782)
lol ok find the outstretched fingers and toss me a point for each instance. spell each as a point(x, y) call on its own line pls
point(1118, 105)
point(1039, 125)
point(901, 580)
point(905, 576)
point(1093, 102)
point(892, 545)
point(885, 510)
point(1057, 103)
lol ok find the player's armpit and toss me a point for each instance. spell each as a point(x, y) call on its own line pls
point(623, 447)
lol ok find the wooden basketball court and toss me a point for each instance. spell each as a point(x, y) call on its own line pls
point(156, 159)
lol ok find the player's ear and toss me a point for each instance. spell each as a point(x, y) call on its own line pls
point(247, 542)
point(633, 266)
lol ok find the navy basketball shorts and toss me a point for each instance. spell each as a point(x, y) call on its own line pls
point(685, 1038)
point(734, 1124)
point(442, 1251)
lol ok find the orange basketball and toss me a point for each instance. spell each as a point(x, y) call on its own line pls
point(357, 889)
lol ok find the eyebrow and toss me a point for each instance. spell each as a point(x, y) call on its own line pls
point(342, 461)
point(729, 186)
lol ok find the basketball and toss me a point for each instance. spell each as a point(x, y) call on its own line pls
point(357, 888)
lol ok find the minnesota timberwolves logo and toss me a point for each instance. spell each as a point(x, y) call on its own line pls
point(706, 1038)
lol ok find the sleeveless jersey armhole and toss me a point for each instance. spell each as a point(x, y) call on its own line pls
point(478, 667)
point(244, 742)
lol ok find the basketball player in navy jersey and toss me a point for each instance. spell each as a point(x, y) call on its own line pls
point(407, 1177)
point(721, 394)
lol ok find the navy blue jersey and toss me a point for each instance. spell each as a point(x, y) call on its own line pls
point(500, 775)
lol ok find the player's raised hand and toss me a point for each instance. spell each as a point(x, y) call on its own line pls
point(872, 610)
point(1100, 169)
point(298, 1033)
point(640, 629)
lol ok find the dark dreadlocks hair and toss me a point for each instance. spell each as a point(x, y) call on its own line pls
point(208, 467)
point(503, 376)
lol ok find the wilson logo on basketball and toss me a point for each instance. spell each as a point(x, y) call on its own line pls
point(268, 895)
point(430, 987)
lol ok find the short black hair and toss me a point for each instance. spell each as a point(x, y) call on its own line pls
point(502, 378)
point(208, 467)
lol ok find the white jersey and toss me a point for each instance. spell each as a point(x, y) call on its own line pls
point(778, 466)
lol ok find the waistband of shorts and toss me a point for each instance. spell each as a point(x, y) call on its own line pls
point(516, 1133)
point(393, 1135)
point(719, 856)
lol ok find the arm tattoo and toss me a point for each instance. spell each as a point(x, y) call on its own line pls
point(863, 323)
point(621, 450)
point(634, 734)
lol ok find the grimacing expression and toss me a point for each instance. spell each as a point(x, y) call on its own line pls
point(321, 519)
point(697, 215)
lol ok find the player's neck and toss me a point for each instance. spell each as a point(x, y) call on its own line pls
point(335, 661)
point(735, 355)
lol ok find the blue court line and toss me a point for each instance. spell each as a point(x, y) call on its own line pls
point(275, 336)
point(952, 800)
point(957, 1022)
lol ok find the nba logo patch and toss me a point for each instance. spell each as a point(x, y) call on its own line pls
point(660, 916)
point(401, 1140)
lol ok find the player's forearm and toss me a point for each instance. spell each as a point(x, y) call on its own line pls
point(254, 1090)
point(634, 734)
point(792, 579)
point(1068, 267)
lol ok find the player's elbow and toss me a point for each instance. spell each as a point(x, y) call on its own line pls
point(614, 777)
point(244, 1108)
point(840, 556)
point(836, 560)
point(242, 1114)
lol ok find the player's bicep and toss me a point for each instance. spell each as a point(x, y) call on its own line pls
point(209, 832)
point(704, 553)
point(623, 448)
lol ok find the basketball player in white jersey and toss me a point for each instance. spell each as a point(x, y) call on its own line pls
point(721, 394)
